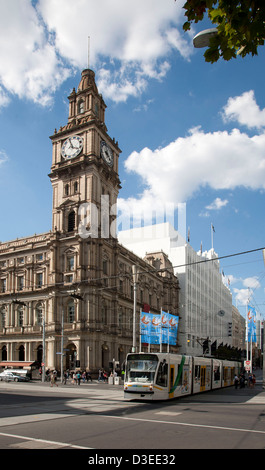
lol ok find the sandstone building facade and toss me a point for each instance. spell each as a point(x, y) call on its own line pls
point(70, 290)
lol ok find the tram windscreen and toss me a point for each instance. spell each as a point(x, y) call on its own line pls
point(141, 368)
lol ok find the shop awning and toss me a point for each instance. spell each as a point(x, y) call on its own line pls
point(15, 364)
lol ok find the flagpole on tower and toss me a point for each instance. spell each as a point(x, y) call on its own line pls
point(88, 54)
point(212, 232)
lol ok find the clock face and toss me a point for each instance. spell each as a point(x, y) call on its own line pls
point(106, 153)
point(72, 147)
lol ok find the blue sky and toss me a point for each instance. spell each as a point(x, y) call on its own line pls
point(189, 131)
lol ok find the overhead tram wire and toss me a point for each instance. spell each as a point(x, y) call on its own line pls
point(152, 270)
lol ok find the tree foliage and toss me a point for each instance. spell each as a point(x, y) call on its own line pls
point(240, 25)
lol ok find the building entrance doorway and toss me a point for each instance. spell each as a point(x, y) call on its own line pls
point(70, 357)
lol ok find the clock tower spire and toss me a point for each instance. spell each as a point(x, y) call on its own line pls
point(85, 159)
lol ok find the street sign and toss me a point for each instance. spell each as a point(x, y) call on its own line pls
point(247, 365)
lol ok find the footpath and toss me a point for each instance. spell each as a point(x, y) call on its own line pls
point(246, 395)
point(103, 388)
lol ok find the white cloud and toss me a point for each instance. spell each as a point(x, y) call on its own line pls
point(4, 98)
point(251, 282)
point(242, 296)
point(245, 110)
point(230, 279)
point(217, 204)
point(136, 37)
point(219, 160)
point(42, 42)
point(3, 157)
point(127, 31)
point(29, 65)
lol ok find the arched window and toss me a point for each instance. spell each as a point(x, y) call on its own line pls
point(81, 107)
point(71, 221)
point(71, 354)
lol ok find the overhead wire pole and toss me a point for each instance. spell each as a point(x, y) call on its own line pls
point(135, 282)
point(263, 382)
point(62, 341)
point(88, 53)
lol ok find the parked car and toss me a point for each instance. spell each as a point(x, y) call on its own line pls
point(8, 376)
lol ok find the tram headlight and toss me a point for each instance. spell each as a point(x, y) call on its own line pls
point(151, 388)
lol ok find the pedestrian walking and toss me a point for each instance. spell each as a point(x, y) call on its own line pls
point(250, 381)
point(88, 376)
point(78, 378)
point(73, 378)
point(53, 379)
point(242, 381)
point(236, 381)
point(253, 380)
point(105, 376)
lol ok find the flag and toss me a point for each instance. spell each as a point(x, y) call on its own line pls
point(169, 328)
point(158, 329)
point(251, 324)
point(145, 327)
point(155, 337)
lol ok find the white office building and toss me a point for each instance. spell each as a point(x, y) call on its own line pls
point(205, 302)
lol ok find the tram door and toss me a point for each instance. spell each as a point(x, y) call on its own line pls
point(203, 378)
point(171, 380)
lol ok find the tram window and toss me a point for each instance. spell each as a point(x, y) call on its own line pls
point(217, 373)
point(162, 374)
point(141, 370)
point(197, 372)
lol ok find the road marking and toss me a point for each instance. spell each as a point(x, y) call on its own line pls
point(60, 444)
point(218, 428)
point(168, 413)
point(13, 420)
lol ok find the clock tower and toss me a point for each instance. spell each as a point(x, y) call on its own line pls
point(84, 172)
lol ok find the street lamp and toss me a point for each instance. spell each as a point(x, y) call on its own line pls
point(202, 39)
point(135, 282)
